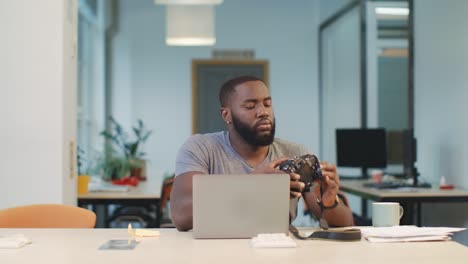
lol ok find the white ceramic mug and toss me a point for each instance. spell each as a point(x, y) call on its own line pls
point(386, 214)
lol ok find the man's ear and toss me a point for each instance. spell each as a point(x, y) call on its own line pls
point(226, 114)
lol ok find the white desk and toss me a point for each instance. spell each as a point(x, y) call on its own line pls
point(146, 193)
point(59, 246)
point(403, 194)
point(407, 197)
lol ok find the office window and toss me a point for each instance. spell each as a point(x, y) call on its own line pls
point(91, 79)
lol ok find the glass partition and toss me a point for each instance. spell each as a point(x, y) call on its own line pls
point(364, 77)
point(387, 75)
point(340, 77)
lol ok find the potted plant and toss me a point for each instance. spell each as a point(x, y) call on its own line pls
point(131, 148)
point(114, 167)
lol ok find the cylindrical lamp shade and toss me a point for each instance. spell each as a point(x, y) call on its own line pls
point(190, 25)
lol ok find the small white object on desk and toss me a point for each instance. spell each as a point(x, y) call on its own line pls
point(14, 241)
point(444, 186)
point(442, 180)
point(273, 240)
point(139, 232)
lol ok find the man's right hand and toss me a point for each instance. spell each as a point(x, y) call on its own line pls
point(295, 185)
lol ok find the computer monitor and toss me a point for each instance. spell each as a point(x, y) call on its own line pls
point(410, 155)
point(361, 148)
point(401, 151)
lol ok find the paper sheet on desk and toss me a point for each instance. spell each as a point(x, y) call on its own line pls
point(13, 241)
point(98, 185)
point(408, 233)
point(107, 188)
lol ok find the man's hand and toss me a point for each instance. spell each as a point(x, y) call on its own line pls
point(340, 215)
point(330, 184)
point(295, 185)
point(270, 167)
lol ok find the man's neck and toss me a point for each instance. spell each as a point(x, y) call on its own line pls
point(253, 155)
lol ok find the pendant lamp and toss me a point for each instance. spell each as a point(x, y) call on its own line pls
point(190, 25)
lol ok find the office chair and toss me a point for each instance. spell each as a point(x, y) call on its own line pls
point(138, 216)
point(47, 216)
point(165, 221)
point(142, 216)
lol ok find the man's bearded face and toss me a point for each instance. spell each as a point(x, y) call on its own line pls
point(254, 135)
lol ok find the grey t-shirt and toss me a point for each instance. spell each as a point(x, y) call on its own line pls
point(212, 153)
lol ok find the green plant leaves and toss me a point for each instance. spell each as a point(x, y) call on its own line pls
point(129, 148)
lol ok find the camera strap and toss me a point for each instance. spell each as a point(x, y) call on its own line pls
point(353, 234)
point(337, 234)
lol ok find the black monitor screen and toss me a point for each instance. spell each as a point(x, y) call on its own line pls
point(365, 148)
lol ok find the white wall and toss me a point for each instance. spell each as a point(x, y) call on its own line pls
point(157, 78)
point(441, 81)
point(37, 105)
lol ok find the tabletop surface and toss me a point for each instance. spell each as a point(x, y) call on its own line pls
point(149, 189)
point(81, 246)
point(357, 186)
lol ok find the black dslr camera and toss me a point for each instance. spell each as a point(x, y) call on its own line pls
point(307, 166)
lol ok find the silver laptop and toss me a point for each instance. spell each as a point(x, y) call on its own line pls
point(240, 205)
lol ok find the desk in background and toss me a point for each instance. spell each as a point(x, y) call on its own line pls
point(147, 194)
point(57, 246)
point(407, 197)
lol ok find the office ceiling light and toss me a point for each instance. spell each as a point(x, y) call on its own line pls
point(188, 2)
point(190, 25)
point(392, 11)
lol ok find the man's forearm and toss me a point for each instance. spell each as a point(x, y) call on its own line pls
point(339, 216)
point(181, 215)
point(181, 201)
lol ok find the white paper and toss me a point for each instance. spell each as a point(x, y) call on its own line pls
point(98, 185)
point(13, 241)
point(407, 239)
point(408, 233)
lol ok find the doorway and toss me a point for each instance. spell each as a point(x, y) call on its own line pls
point(207, 78)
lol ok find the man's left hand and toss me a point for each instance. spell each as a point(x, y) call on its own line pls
point(330, 184)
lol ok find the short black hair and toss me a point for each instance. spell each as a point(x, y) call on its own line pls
point(227, 89)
